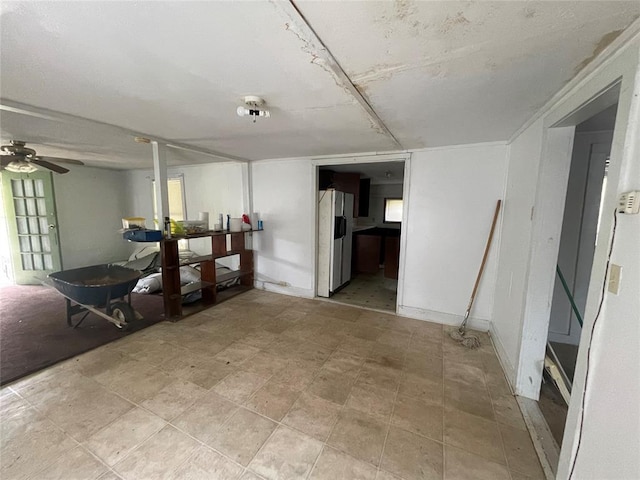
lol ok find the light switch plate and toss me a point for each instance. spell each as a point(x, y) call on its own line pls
point(614, 278)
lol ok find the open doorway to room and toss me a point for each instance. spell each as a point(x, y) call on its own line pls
point(360, 208)
point(581, 221)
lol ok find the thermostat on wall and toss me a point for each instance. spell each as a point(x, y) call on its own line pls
point(629, 202)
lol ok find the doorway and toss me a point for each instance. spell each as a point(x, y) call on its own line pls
point(31, 233)
point(370, 247)
point(581, 220)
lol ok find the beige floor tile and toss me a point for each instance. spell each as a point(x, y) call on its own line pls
point(411, 456)
point(76, 464)
point(395, 339)
point(418, 417)
point(287, 455)
point(110, 476)
point(379, 357)
point(428, 367)
point(475, 401)
point(242, 435)
point(462, 373)
point(374, 401)
point(462, 465)
point(208, 374)
point(240, 385)
point(382, 475)
point(521, 454)
point(30, 442)
point(335, 465)
point(260, 338)
point(249, 475)
point(264, 363)
point(296, 376)
point(474, 434)
point(373, 375)
point(82, 408)
point(116, 440)
point(174, 399)
point(508, 412)
point(236, 354)
point(355, 346)
point(420, 347)
point(334, 387)
point(204, 463)
point(158, 456)
point(273, 400)
point(359, 435)
point(313, 416)
point(136, 381)
point(343, 363)
point(424, 389)
point(205, 417)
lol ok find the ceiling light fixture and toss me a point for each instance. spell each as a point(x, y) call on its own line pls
point(252, 108)
point(20, 166)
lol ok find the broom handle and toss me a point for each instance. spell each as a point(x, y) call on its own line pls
point(486, 254)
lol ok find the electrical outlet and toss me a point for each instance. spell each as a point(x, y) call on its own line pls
point(629, 202)
point(614, 278)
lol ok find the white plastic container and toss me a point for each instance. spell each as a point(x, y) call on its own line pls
point(235, 225)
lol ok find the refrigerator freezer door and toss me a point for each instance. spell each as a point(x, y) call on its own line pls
point(338, 235)
point(347, 241)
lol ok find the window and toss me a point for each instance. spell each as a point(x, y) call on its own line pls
point(176, 199)
point(392, 210)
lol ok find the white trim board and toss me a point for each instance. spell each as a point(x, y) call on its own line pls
point(282, 289)
point(480, 324)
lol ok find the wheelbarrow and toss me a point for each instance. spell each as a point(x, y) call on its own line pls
point(99, 289)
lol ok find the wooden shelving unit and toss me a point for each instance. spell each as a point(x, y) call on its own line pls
point(171, 263)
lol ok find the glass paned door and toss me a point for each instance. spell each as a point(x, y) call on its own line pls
point(33, 227)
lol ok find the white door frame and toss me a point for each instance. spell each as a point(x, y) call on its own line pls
point(348, 160)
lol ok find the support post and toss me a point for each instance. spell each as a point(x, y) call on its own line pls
point(160, 184)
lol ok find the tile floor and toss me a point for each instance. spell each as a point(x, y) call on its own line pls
point(270, 387)
point(369, 291)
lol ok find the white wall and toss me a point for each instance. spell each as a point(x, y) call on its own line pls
point(451, 201)
point(90, 203)
point(284, 194)
point(611, 435)
point(214, 188)
point(443, 235)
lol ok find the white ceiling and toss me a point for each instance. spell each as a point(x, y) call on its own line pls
point(435, 72)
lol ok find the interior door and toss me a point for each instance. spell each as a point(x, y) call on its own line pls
point(33, 227)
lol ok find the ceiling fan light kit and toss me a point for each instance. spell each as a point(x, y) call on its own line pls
point(18, 158)
point(252, 108)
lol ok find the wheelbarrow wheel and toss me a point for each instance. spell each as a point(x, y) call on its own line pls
point(123, 312)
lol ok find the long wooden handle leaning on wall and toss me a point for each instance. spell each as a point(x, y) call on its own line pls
point(486, 254)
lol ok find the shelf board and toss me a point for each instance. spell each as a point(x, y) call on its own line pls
point(194, 286)
point(210, 233)
point(209, 258)
point(225, 277)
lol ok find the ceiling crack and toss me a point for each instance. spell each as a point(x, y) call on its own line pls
point(322, 56)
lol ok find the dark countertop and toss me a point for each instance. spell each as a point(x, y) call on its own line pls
point(383, 232)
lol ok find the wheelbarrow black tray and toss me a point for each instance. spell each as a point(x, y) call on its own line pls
point(97, 284)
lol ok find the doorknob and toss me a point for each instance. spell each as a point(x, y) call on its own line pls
point(51, 226)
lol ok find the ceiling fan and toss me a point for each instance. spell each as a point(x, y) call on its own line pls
point(17, 158)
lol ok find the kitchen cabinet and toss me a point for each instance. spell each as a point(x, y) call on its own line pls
point(171, 263)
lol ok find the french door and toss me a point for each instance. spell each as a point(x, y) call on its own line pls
point(32, 224)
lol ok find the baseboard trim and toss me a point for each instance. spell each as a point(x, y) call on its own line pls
point(541, 436)
point(480, 324)
point(285, 290)
point(503, 358)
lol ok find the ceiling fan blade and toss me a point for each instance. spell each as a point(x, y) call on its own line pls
point(51, 166)
point(58, 160)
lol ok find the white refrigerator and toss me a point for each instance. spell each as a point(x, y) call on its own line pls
point(335, 228)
